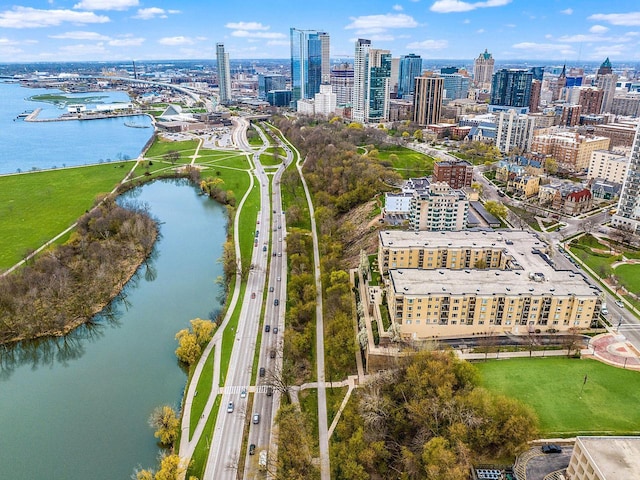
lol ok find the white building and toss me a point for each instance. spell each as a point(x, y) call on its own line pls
point(360, 71)
point(439, 208)
point(325, 101)
point(628, 214)
point(306, 106)
point(514, 131)
point(604, 458)
point(224, 73)
point(609, 166)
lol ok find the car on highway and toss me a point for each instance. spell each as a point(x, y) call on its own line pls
point(264, 248)
point(269, 391)
point(253, 295)
point(243, 393)
point(272, 354)
point(551, 448)
point(256, 418)
point(279, 254)
point(275, 329)
point(276, 302)
point(230, 407)
point(278, 278)
point(267, 328)
point(619, 303)
point(271, 289)
point(263, 372)
point(252, 449)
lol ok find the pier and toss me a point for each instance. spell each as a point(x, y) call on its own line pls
point(33, 116)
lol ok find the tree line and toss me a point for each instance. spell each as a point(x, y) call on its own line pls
point(68, 284)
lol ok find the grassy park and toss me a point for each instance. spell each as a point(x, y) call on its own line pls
point(566, 406)
point(408, 163)
point(37, 206)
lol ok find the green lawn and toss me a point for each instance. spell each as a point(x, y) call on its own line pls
point(309, 407)
point(267, 159)
point(629, 276)
point(408, 163)
point(200, 454)
point(608, 404)
point(160, 147)
point(203, 390)
point(35, 207)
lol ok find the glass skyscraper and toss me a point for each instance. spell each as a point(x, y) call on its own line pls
point(309, 54)
point(511, 88)
point(224, 73)
point(410, 67)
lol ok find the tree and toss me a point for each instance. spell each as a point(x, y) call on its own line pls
point(166, 422)
point(478, 187)
point(572, 341)
point(170, 468)
point(203, 330)
point(188, 350)
point(172, 156)
point(497, 209)
point(551, 166)
point(418, 135)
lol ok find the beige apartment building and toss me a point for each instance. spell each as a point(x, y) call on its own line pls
point(609, 166)
point(453, 284)
point(605, 458)
point(571, 150)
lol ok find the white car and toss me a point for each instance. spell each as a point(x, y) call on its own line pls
point(243, 393)
point(619, 303)
point(230, 407)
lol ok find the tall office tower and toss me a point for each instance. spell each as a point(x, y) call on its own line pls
point(591, 100)
point(342, 83)
point(224, 73)
point(309, 57)
point(378, 82)
point(268, 82)
point(427, 100)
point(395, 74)
point(360, 73)
point(483, 70)
point(537, 72)
point(410, 67)
point(511, 88)
point(606, 81)
point(534, 100)
point(455, 86)
point(561, 82)
point(628, 213)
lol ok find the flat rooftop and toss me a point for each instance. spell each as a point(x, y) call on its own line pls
point(615, 457)
point(525, 250)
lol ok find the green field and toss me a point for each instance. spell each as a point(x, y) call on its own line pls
point(629, 276)
point(37, 206)
point(203, 390)
point(606, 404)
point(407, 162)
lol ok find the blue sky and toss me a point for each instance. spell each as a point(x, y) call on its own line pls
point(564, 30)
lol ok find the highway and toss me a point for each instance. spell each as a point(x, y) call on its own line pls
point(267, 272)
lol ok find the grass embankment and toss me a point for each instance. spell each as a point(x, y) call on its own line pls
point(408, 163)
point(35, 207)
point(201, 452)
point(566, 406)
point(203, 390)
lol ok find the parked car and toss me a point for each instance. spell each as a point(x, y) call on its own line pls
point(230, 407)
point(551, 448)
point(252, 449)
point(256, 418)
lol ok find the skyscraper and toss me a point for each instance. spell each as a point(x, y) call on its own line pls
point(483, 70)
point(268, 82)
point(511, 87)
point(628, 213)
point(455, 86)
point(427, 100)
point(606, 81)
point(224, 73)
point(371, 73)
point(360, 72)
point(410, 67)
point(342, 83)
point(309, 59)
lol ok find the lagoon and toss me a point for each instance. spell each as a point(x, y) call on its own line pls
point(27, 145)
point(77, 408)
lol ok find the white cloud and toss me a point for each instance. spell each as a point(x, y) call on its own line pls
point(428, 45)
point(83, 50)
point(247, 26)
point(567, 11)
point(27, 17)
point(126, 42)
point(248, 34)
point(598, 29)
point(80, 35)
point(379, 23)
point(546, 48)
point(626, 19)
point(397, 8)
point(106, 4)
point(581, 38)
point(480, 30)
point(278, 43)
point(173, 41)
point(150, 13)
point(449, 6)
point(466, 21)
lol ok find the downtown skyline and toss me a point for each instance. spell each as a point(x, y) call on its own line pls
point(88, 30)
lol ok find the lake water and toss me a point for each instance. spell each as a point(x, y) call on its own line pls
point(28, 145)
point(77, 408)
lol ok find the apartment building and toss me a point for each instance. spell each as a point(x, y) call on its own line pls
point(439, 208)
point(571, 150)
point(604, 458)
point(609, 166)
point(457, 174)
point(477, 283)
